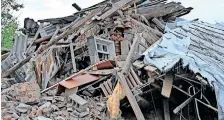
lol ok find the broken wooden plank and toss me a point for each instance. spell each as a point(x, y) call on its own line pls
point(129, 83)
point(132, 80)
point(131, 53)
point(158, 23)
point(138, 64)
point(76, 74)
point(181, 106)
point(129, 94)
point(74, 28)
point(107, 87)
point(72, 52)
point(166, 109)
point(4, 56)
point(98, 81)
point(104, 90)
point(167, 85)
point(147, 27)
point(118, 5)
point(131, 97)
point(137, 79)
point(150, 68)
point(15, 67)
point(209, 106)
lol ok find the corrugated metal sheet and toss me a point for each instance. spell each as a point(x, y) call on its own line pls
point(200, 46)
point(47, 65)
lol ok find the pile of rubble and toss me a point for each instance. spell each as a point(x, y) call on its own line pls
point(23, 101)
point(118, 59)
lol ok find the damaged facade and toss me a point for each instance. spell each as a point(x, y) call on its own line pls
point(118, 59)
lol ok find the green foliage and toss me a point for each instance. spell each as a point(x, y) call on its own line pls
point(8, 21)
point(8, 34)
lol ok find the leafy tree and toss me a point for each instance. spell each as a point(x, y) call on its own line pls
point(8, 21)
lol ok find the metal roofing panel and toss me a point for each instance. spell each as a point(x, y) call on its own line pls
point(200, 46)
point(78, 80)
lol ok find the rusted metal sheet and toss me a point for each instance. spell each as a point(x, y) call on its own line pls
point(78, 80)
point(47, 66)
point(105, 65)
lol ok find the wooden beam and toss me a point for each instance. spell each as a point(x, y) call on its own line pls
point(118, 5)
point(209, 106)
point(72, 52)
point(131, 53)
point(151, 30)
point(181, 106)
point(167, 85)
point(131, 97)
point(158, 23)
point(15, 67)
point(74, 28)
point(125, 70)
point(166, 109)
point(4, 56)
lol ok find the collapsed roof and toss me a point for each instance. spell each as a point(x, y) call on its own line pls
point(199, 46)
point(90, 57)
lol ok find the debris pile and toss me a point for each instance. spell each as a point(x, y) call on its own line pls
point(118, 59)
point(49, 105)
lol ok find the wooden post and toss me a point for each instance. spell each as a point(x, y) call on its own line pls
point(72, 52)
point(131, 97)
point(167, 84)
point(125, 70)
point(166, 109)
point(130, 54)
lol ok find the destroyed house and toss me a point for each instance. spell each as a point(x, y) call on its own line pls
point(118, 59)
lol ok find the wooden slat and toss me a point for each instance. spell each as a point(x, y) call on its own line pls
point(107, 87)
point(131, 97)
point(104, 90)
point(135, 76)
point(132, 80)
